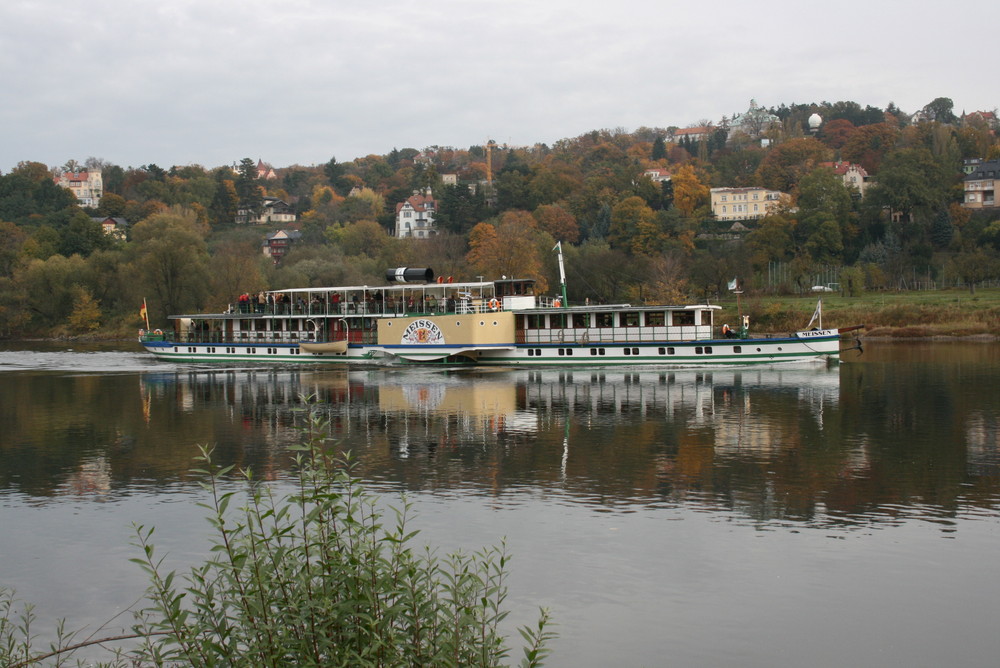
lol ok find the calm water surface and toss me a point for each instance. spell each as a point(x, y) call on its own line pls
point(806, 516)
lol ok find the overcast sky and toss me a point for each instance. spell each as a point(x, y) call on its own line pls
point(177, 82)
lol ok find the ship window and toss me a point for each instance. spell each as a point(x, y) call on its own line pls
point(628, 351)
point(593, 352)
point(630, 319)
point(581, 320)
point(699, 350)
point(670, 351)
point(569, 351)
point(737, 349)
point(683, 317)
point(605, 319)
point(663, 351)
point(708, 350)
point(654, 319)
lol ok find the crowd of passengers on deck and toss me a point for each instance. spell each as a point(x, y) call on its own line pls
point(271, 303)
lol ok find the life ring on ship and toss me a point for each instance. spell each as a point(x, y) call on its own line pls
point(158, 332)
point(494, 304)
point(142, 332)
point(725, 330)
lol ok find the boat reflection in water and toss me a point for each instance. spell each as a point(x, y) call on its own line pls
point(618, 436)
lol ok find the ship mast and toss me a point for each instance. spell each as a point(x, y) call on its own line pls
point(562, 274)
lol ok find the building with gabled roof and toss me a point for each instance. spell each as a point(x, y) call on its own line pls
point(854, 176)
point(693, 134)
point(980, 186)
point(657, 174)
point(276, 244)
point(415, 216)
point(272, 210)
point(113, 226)
point(87, 185)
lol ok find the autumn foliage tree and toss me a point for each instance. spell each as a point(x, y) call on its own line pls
point(788, 162)
point(868, 145)
point(689, 190)
point(634, 228)
point(507, 247)
point(558, 222)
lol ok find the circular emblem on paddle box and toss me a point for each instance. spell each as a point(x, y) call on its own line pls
point(423, 332)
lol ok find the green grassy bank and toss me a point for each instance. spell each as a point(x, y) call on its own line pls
point(885, 314)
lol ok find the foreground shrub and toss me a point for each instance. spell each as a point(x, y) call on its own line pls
point(318, 579)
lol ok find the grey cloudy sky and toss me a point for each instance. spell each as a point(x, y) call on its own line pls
point(177, 82)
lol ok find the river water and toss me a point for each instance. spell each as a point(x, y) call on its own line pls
point(811, 516)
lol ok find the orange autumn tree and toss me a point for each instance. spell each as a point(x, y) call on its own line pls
point(689, 191)
point(507, 247)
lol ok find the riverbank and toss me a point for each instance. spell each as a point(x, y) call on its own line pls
point(938, 314)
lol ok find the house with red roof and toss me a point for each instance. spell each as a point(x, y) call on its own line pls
point(854, 176)
point(87, 185)
point(415, 216)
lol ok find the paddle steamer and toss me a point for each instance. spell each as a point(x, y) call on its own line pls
point(415, 319)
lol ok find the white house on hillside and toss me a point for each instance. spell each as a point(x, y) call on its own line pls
point(415, 216)
point(273, 210)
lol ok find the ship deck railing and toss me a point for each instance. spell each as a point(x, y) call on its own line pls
point(614, 335)
point(364, 308)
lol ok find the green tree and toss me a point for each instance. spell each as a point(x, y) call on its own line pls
point(940, 109)
point(365, 204)
point(365, 237)
point(82, 236)
point(336, 175)
point(459, 208)
point(972, 267)
point(29, 196)
point(910, 180)
point(633, 227)
point(171, 261)
point(248, 190)
point(10, 250)
point(49, 287)
point(224, 204)
point(659, 149)
point(112, 205)
point(772, 240)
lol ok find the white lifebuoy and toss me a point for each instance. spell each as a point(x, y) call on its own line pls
point(494, 304)
point(142, 332)
point(725, 329)
point(158, 332)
